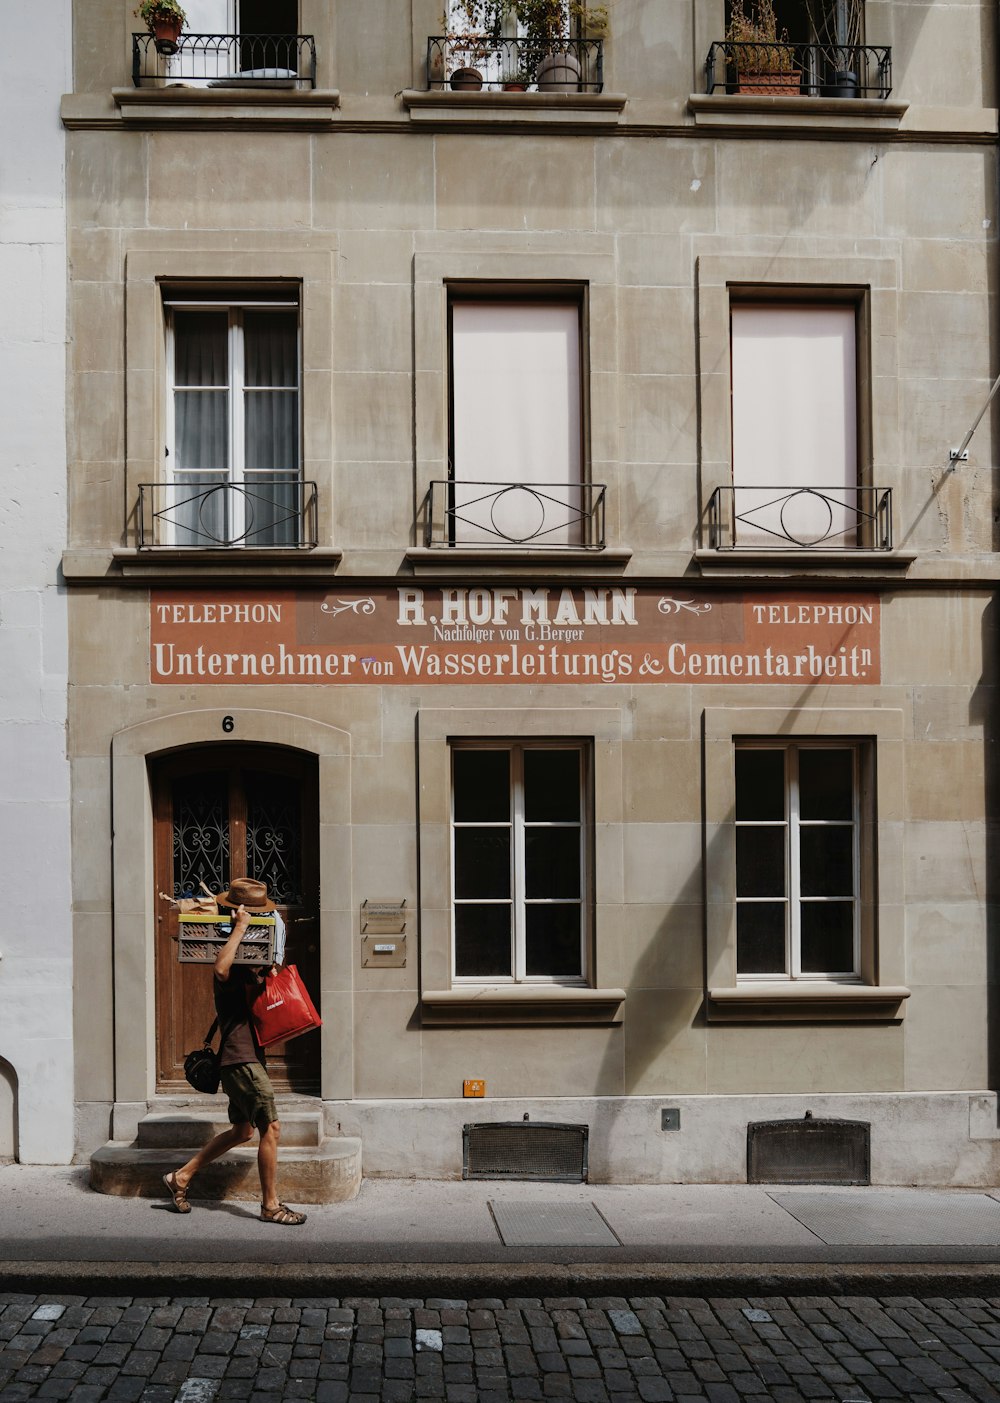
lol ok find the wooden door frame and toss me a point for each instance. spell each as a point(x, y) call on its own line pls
point(174, 999)
point(134, 1053)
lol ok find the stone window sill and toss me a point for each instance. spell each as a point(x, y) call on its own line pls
point(180, 566)
point(178, 105)
point(800, 562)
point(800, 1002)
point(859, 115)
point(437, 560)
point(501, 109)
point(522, 1003)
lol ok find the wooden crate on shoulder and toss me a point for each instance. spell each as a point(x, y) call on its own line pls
point(199, 940)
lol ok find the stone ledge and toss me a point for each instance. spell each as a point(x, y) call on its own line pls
point(522, 1003)
point(860, 563)
point(802, 1002)
point(181, 106)
point(532, 110)
point(796, 114)
point(440, 560)
point(329, 1173)
point(241, 565)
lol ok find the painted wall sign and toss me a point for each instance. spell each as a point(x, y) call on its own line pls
point(408, 634)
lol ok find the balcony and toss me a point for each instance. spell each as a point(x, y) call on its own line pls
point(476, 62)
point(800, 519)
point(800, 70)
point(256, 61)
point(277, 512)
point(544, 515)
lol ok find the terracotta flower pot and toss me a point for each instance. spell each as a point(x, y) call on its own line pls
point(466, 80)
point(770, 84)
point(166, 32)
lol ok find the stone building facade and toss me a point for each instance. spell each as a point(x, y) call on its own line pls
point(36, 945)
point(519, 525)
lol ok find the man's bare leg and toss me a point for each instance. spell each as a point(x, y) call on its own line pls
point(267, 1164)
point(236, 1135)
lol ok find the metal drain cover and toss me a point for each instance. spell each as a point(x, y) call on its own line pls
point(896, 1217)
point(551, 1225)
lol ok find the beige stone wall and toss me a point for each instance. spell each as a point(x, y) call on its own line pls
point(655, 212)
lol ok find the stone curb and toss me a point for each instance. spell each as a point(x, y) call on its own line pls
point(472, 1280)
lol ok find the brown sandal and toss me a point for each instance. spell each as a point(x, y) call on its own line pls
point(178, 1194)
point(282, 1214)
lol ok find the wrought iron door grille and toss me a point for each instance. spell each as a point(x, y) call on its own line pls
point(226, 61)
point(809, 1151)
point(800, 70)
point(550, 1151)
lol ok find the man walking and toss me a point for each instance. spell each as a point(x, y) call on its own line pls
point(244, 1074)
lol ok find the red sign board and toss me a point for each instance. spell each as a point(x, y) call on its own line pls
point(408, 634)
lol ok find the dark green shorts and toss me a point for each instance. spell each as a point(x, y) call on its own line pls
point(251, 1095)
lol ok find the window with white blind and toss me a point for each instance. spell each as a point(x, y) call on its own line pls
point(233, 455)
point(795, 424)
point(519, 862)
point(798, 861)
point(516, 422)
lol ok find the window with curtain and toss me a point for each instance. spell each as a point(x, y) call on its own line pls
point(233, 423)
point(516, 432)
point(519, 862)
point(795, 430)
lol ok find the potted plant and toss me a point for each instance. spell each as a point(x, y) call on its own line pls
point(517, 78)
point(763, 57)
point(164, 19)
point(472, 29)
point(838, 26)
point(547, 46)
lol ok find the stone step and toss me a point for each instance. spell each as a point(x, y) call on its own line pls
point(190, 1129)
point(327, 1173)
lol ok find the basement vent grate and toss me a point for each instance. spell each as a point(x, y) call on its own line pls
point(520, 1149)
point(809, 1151)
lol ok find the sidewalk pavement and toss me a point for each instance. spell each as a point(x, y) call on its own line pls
point(701, 1239)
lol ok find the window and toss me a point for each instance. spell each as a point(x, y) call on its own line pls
point(232, 39)
point(233, 420)
point(798, 861)
point(795, 432)
point(519, 862)
point(516, 430)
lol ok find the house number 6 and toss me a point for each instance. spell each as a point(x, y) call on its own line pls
point(228, 724)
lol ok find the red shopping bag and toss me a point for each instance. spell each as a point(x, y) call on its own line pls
point(283, 1008)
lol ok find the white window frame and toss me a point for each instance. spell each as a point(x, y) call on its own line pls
point(236, 474)
point(518, 901)
point(793, 899)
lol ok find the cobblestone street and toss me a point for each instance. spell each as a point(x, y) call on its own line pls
point(651, 1348)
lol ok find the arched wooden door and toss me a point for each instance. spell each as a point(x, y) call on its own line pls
point(220, 813)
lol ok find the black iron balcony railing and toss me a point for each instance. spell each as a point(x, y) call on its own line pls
point(260, 511)
point(469, 62)
point(800, 518)
point(542, 514)
point(810, 70)
point(226, 61)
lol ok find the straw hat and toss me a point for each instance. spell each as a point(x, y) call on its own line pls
point(244, 891)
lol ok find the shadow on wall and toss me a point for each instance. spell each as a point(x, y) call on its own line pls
point(983, 710)
point(8, 1113)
